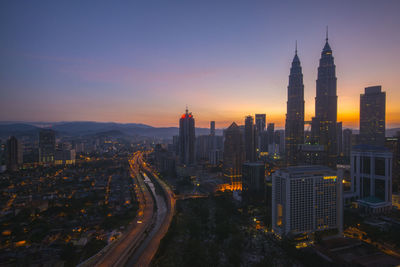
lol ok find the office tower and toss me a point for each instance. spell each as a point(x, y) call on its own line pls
point(347, 144)
point(175, 144)
point(324, 122)
point(263, 141)
point(47, 146)
point(203, 146)
point(371, 178)
point(372, 116)
point(270, 135)
point(270, 132)
point(294, 126)
point(186, 139)
point(212, 128)
point(260, 123)
point(249, 139)
point(215, 156)
point(339, 138)
point(253, 177)
point(260, 129)
point(234, 156)
point(306, 199)
point(279, 141)
point(393, 144)
point(14, 154)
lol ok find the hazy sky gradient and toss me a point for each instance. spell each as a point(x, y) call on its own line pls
point(143, 61)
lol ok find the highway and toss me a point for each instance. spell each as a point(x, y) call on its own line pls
point(138, 245)
point(166, 209)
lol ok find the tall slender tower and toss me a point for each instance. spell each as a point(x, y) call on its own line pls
point(186, 139)
point(294, 126)
point(234, 156)
point(249, 139)
point(324, 122)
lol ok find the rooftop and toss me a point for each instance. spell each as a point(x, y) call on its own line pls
point(365, 147)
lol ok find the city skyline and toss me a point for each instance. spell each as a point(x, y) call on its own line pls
point(134, 67)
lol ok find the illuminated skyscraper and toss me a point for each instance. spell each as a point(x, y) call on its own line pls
point(372, 116)
point(47, 146)
point(306, 199)
point(324, 122)
point(234, 156)
point(250, 139)
point(294, 126)
point(187, 139)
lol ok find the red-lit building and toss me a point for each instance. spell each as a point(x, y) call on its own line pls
point(187, 139)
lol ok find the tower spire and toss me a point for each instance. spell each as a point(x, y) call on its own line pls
point(326, 33)
point(296, 48)
point(187, 109)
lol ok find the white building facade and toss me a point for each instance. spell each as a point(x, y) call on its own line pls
point(306, 199)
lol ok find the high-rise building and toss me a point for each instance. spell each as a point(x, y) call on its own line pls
point(371, 178)
point(372, 116)
point(294, 126)
point(203, 146)
point(212, 128)
point(339, 138)
point(347, 144)
point(187, 139)
point(393, 144)
point(271, 137)
point(14, 154)
point(260, 129)
point(253, 177)
point(270, 132)
point(324, 122)
point(47, 146)
point(260, 122)
point(249, 139)
point(306, 199)
point(234, 156)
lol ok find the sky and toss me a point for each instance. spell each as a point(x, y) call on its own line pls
point(144, 61)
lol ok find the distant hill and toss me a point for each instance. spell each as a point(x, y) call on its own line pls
point(392, 132)
point(75, 129)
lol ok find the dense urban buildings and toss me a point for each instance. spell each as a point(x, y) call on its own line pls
point(234, 156)
point(371, 178)
point(187, 139)
point(294, 126)
point(306, 199)
point(324, 122)
point(14, 154)
point(372, 116)
point(47, 146)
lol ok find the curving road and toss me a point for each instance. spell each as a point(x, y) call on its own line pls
point(140, 242)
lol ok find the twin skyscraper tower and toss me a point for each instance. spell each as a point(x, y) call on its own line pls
point(323, 125)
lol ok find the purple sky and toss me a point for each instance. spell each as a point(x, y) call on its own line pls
point(144, 61)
